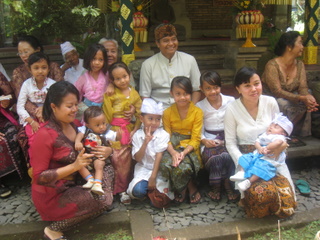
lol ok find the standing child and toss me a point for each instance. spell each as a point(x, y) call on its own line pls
point(94, 133)
point(93, 83)
point(259, 164)
point(114, 106)
point(149, 144)
point(215, 157)
point(181, 162)
point(35, 90)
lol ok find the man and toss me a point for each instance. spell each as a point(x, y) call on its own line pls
point(158, 71)
point(73, 66)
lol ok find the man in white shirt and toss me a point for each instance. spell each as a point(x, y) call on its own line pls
point(158, 71)
point(73, 66)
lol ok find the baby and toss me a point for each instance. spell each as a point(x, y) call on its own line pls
point(94, 133)
point(260, 164)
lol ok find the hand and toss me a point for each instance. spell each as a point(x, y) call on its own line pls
point(152, 183)
point(176, 158)
point(110, 89)
point(2, 136)
point(83, 160)
point(102, 151)
point(78, 146)
point(5, 103)
point(310, 103)
point(35, 126)
point(148, 136)
point(65, 66)
point(128, 114)
point(212, 143)
point(276, 152)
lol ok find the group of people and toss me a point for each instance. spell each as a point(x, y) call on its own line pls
point(154, 143)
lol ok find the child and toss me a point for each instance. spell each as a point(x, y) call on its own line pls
point(35, 90)
point(183, 121)
point(259, 164)
point(149, 144)
point(93, 83)
point(94, 133)
point(215, 157)
point(114, 106)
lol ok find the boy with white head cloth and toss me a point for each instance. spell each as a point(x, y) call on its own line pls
point(149, 143)
point(261, 165)
point(73, 66)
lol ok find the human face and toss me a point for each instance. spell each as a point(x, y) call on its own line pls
point(275, 129)
point(72, 58)
point(212, 92)
point(181, 97)
point(168, 46)
point(97, 62)
point(252, 90)
point(40, 70)
point(97, 124)
point(121, 78)
point(66, 112)
point(112, 51)
point(150, 121)
point(25, 50)
point(298, 47)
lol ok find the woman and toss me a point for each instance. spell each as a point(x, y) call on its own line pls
point(245, 119)
point(26, 46)
point(284, 77)
point(54, 193)
point(11, 155)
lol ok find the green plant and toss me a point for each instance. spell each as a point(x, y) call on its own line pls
point(90, 14)
point(271, 32)
point(247, 5)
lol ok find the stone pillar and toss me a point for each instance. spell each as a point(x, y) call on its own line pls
point(180, 12)
point(311, 31)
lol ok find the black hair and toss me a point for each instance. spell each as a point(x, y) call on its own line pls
point(243, 75)
point(117, 65)
point(90, 53)
point(287, 39)
point(183, 83)
point(33, 41)
point(36, 57)
point(211, 77)
point(92, 112)
point(55, 95)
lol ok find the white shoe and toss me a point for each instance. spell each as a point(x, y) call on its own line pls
point(89, 184)
point(97, 189)
point(244, 185)
point(239, 176)
point(125, 198)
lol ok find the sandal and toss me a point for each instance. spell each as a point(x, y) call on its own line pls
point(180, 197)
point(47, 237)
point(214, 193)
point(125, 198)
point(193, 197)
point(231, 194)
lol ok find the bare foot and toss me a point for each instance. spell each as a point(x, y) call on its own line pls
point(180, 197)
point(50, 234)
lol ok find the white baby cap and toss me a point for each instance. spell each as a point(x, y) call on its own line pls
point(150, 106)
point(283, 122)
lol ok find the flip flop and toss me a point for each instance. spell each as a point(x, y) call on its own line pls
point(303, 187)
point(193, 197)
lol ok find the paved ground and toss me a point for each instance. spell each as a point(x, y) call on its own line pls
point(18, 208)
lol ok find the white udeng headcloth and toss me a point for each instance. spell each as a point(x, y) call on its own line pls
point(283, 122)
point(150, 106)
point(66, 47)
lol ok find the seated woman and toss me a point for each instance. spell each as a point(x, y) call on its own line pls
point(11, 156)
point(284, 77)
point(54, 193)
point(245, 119)
point(215, 157)
point(181, 162)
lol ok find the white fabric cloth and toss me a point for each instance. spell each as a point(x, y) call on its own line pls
point(143, 169)
point(73, 73)
point(264, 139)
point(3, 71)
point(213, 119)
point(149, 106)
point(241, 128)
point(157, 73)
point(109, 135)
point(66, 47)
point(29, 91)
